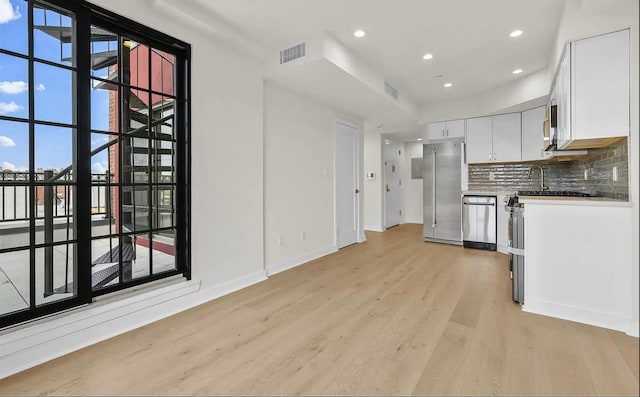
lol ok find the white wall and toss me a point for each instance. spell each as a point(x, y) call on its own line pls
point(226, 177)
point(585, 18)
point(227, 203)
point(299, 178)
point(373, 192)
point(412, 187)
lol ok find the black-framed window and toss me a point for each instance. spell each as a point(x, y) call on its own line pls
point(94, 156)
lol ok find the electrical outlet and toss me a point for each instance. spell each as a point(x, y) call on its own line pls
point(614, 173)
point(586, 175)
point(492, 176)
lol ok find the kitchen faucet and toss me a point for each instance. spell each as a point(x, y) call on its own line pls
point(542, 186)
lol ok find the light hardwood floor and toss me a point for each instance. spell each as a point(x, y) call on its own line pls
point(393, 315)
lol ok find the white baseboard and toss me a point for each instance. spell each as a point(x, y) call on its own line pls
point(26, 346)
point(374, 228)
point(577, 314)
point(503, 249)
point(362, 238)
point(632, 329)
point(291, 263)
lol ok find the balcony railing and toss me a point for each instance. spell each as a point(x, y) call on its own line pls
point(15, 198)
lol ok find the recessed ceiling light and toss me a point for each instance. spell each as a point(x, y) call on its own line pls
point(517, 71)
point(447, 85)
point(427, 57)
point(359, 33)
point(516, 33)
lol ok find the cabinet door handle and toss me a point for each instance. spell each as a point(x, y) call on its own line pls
point(447, 132)
point(494, 157)
point(489, 156)
point(442, 132)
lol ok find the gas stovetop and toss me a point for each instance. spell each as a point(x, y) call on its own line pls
point(564, 193)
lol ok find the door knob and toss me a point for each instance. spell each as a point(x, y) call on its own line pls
point(388, 190)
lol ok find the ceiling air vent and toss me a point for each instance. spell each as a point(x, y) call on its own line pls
point(391, 91)
point(293, 53)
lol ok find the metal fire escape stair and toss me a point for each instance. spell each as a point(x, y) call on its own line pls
point(106, 268)
point(100, 60)
point(64, 34)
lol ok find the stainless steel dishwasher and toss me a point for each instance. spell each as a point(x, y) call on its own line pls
point(479, 222)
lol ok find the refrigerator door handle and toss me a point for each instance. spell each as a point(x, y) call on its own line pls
point(433, 189)
point(464, 152)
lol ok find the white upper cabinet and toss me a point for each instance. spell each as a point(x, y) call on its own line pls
point(436, 130)
point(562, 91)
point(479, 140)
point(494, 139)
point(445, 129)
point(455, 129)
point(597, 97)
point(506, 137)
point(532, 134)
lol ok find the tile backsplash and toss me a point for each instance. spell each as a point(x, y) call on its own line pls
point(568, 175)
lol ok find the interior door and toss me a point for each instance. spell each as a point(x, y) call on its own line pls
point(393, 184)
point(347, 184)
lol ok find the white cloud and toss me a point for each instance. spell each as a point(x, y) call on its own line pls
point(99, 168)
point(7, 12)
point(5, 141)
point(40, 87)
point(13, 87)
point(8, 166)
point(11, 107)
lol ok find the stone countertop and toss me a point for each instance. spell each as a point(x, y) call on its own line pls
point(566, 200)
point(489, 193)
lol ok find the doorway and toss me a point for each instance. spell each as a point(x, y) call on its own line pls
point(347, 184)
point(392, 183)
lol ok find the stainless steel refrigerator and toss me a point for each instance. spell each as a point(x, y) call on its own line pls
point(443, 192)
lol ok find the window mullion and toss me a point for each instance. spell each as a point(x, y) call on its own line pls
point(32, 167)
point(83, 153)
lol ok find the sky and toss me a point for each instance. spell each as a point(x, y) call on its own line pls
point(53, 100)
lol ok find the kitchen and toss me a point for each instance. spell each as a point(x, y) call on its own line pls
point(547, 186)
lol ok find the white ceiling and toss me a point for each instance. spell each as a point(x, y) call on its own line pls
point(468, 38)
